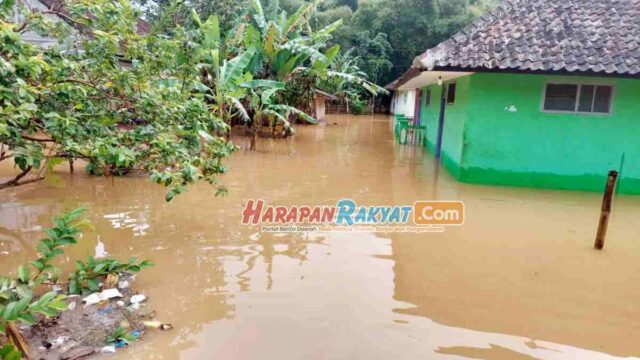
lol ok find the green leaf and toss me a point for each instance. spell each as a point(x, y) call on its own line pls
point(260, 83)
point(258, 14)
point(27, 318)
point(9, 352)
point(100, 267)
point(234, 69)
point(211, 29)
point(173, 192)
point(93, 284)
point(58, 305)
point(49, 312)
point(38, 264)
point(74, 287)
point(24, 274)
point(239, 107)
point(196, 17)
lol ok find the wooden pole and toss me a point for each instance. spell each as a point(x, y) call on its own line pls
point(606, 210)
point(16, 338)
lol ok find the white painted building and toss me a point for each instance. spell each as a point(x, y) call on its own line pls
point(403, 102)
point(54, 11)
point(33, 37)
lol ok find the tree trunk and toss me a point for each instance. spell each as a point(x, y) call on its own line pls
point(253, 140)
point(16, 338)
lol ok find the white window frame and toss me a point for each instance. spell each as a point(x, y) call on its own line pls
point(575, 109)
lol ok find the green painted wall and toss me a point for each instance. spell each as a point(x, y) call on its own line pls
point(455, 115)
point(489, 144)
point(429, 114)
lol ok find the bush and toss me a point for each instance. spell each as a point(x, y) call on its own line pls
point(357, 107)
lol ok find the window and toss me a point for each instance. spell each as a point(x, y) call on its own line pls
point(578, 98)
point(451, 93)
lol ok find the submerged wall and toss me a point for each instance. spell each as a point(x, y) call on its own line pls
point(497, 133)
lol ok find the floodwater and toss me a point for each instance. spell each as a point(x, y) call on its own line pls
point(519, 280)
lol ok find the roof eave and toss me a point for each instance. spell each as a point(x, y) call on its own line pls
point(559, 72)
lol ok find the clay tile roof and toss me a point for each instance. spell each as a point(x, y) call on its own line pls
point(142, 26)
point(584, 36)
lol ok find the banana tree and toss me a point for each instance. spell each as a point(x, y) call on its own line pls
point(267, 109)
point(220, 76)
point(288, 42)
point(297, 55)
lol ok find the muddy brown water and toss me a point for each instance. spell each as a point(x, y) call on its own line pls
point(519, 280)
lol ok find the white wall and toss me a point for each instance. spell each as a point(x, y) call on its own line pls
point(404, 102)
point(32, 36)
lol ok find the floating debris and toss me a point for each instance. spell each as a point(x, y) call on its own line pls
point(109, 349)
point(155, 324)
point(101, 252)
point(136, 299)
point(59, 341)
point(101, 296)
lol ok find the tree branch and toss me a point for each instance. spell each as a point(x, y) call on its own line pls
point(86, 83)
point(27, 137)
point(16, 180)
point(3, 153)
point(20, 28)
point(65, 17)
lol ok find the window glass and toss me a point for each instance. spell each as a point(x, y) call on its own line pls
point(581, 98)
point(602, 101)
point(451, 93)
point(586, 98)
point(560, 97)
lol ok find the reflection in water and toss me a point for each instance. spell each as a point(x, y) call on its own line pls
point(136, 222)
point(493, 352)
point(521, 265)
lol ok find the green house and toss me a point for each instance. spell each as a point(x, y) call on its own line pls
point(540, 93)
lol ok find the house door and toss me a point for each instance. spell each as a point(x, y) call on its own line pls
point(417, 109)
point(443, 106)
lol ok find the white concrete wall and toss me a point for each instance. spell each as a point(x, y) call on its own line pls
point(32, 37)
point(404, 102)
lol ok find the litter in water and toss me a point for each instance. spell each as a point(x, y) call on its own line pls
point(109, 349)
point(135, 299)
point(101, 252)
point(101, 296)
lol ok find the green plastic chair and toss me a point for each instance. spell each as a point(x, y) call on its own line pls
point(401, 124)
point(419, 132)
point(403, 130)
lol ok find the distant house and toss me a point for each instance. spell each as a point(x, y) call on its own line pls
point(542, 93)
point(319, 104)
point(54, 10)
point(403, 102)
